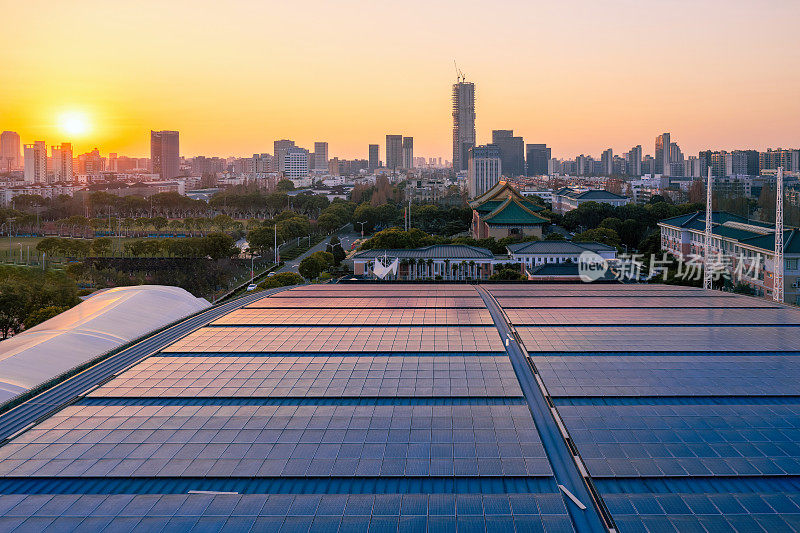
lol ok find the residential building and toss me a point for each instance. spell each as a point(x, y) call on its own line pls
point(408, 152)
point(320, 156)
point(296, 162)
point(62, 163)
point(737, 237)
point(537, 160)
point(512, 152)
point(374, 156)
point(263, 163)
point(36, 163)
point(10, 158)
point(772, 159)
point(567, 199)
point(165, 154)
point(634, 161)
point(503, 212)
point(394, 152)
point(280, 149)
point(463, 123)
point(607, 161)
point(92, 163)
point(484, 169)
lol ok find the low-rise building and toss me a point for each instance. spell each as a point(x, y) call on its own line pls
point(567, 199)
point(502, 212)
point(739, 238)
point(536, 253)
point(442, 261)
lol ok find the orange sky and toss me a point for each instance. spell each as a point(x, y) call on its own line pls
point(580, 75)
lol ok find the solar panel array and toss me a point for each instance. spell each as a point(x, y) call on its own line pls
point(352, 408)
point(684, 407)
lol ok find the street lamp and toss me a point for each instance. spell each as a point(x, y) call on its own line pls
point(252, 266)
point(362, 228)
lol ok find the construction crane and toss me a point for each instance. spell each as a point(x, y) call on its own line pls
point(459, 75)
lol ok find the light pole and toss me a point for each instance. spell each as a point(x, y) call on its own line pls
point(362, 228)
point(252, 267)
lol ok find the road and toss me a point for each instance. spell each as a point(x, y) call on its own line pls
point(347, 236)
point(57, 396)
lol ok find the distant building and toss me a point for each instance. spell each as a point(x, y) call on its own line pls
point(607, 161)
point(503, 212)
point(772, 159)
point(634, 161)
point(281, 147)
point(296, 162)
point(408, 152)
point(537, 159)
point(320, 156)
point(10, 158)
point(662, 154)
point(512, 152)
point(484, 169)
point(463, 123)
point(263, 163)
point(567, 199)
point(91, 163)
point(374, 156)
point(62, 163)
point(394, 152)
point(537, 253)
point(442, 261)
point(165, 154)
point(36, 163)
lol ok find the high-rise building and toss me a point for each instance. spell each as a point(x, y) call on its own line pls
point(634, 161)
point(394, 151)
point(36, 163)
point(295, 162)
point(537, 158)
point(262, 163)
point(320, 156)
point(374, 156)
point(408, 152)
point(607, 162)
point(165, 154)
point(662, 154)
point(484, 169)
point(62, 162)
point(772, 159)
point(463, 123)
point(512, 152)
point(281, 148)
point(9, 151)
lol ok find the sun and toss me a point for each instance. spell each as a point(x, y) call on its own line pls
point(74, 123)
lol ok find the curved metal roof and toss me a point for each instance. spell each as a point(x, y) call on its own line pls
point(104, 321)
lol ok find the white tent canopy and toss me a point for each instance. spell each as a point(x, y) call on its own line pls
point(105, 321)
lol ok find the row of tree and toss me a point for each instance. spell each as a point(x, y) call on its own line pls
point(214, 246)
point(29, 297)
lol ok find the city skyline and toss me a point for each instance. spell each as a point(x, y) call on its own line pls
point(569, 95)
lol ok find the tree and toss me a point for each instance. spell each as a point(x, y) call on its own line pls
point(219, 246)
point(601, 235)
point(159, 223)
point(281, 280)
point(335, 249)
point(42, 314)
point(101, 246)
point(14, 303)
point(284, 185)
point(313, 265)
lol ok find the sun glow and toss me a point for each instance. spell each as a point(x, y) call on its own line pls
point(74, 123)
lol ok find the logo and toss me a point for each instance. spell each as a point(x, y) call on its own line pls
point(591, 266)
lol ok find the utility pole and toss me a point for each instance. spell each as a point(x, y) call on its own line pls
point(777, 275)
point(275, 246)
point(708, 236)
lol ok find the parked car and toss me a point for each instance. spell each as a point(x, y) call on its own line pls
point(251, 287)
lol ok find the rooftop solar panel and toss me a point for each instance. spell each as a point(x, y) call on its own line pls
point(368, 303)
point(610, 302)
point(340, 339)
point(316, 376)
point(655, 316)
point(358, 317)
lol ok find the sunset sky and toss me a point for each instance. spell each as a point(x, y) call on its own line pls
point(579, 75)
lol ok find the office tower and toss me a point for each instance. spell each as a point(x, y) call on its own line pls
point(537, 158)
point(295, 162)
point(511, 152)
point(165, 154)
point(394, 151)
point(483, 169)
point(662, 154)
point(463, 123)
point(408, 152)
point(62, 162)
point(9, 150)
point(607, 162)
point(374, 156)
point(281, 148)
point(320, 156)
point(36, 163)
point(634, 161)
